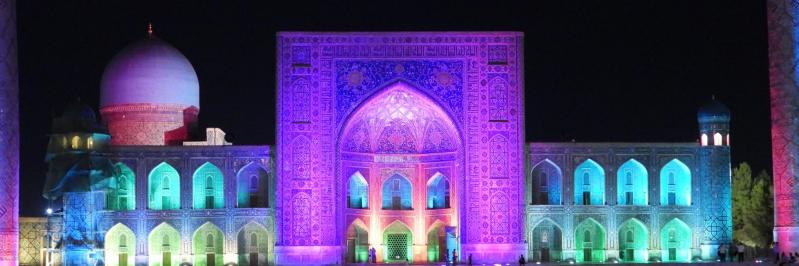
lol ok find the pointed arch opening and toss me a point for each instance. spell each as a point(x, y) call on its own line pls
point(163, 245)
point(252, 187)
point(398, 241)
point(546, 242)
point(164, 188)
point(546, 183)
point(633, 241)
point(589, 184)
point(252, 243)
point(208, 192)
point(439, 242)
point(590, 241)
point(675, 241)
point(120, 246)
point(675, 184)
point(438, 192)
point(208, 245)
point(632, 184)
point(121, 195)
point(357, 192)
point(397, 193)
point(357, 242)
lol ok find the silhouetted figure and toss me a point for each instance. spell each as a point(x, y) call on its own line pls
point(454, 257)
point(741, 251)
point(470, 258)
point(522, 261)
point(722, 253)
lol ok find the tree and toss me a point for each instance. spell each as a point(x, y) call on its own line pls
point(752, 207)
point(741, 190)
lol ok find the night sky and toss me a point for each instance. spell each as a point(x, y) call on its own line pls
point(605, 71)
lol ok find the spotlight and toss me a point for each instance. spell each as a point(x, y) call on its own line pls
point(49, 211)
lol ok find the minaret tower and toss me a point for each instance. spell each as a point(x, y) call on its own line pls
point(782, 26)
point(714, 177)
point(9, 136)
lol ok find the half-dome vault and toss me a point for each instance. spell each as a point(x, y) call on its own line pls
point(399, 120)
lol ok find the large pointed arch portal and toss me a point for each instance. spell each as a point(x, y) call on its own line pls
point(408, 104)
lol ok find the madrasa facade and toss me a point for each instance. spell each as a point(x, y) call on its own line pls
point(410, 144)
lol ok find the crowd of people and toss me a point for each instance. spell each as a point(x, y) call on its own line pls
point(733, 251)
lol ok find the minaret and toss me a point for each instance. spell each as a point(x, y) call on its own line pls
point(9, 136)
point(782, 21)
point(714, 177)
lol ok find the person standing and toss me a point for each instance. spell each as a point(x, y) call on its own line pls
point(454, 257)
point(722, 253)
point(741, 249)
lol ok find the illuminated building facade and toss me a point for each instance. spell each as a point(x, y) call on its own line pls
point(411, 144)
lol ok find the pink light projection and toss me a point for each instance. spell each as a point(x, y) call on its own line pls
point(9, 137)
point(410, 144)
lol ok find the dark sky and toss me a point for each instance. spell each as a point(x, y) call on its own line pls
point(595, 70)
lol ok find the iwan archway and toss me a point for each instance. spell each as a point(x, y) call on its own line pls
point(400, 163)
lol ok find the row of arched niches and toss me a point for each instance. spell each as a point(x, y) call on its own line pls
point(207, 190)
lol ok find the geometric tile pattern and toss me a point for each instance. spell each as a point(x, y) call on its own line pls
point(9, 135)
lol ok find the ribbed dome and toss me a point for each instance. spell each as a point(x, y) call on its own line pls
point(714, 111)
point(149, 72)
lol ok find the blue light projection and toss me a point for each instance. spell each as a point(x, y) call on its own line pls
point(675, 184)
point(357, 192)
point(546, 183)
point(164, 188)
point(589, 184)
point(632, 184)
point(438, 192)
point(397, 193)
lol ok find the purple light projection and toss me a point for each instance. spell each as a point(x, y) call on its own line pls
point(9, 136)
point(437, 103)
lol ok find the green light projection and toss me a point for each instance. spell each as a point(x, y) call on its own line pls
point(357, 242)
point(208, 187)
point(253, 244)
point(633, 241)
point(208, 246)
point(398, 243)
point(546, 243)
point(252, 184)
point(589, 181)
point(675, 184)
point(589, 238)
point(163, 246)
point(122, 191)
point(357, 192)
point(632, 184)
point(437, 248)
point(120, 246)
point(675, 241)
point(164, 188)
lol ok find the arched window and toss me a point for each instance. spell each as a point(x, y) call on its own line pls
point(546, 184)
point(122, 183)
point(632, 186)
point(704, 139)
point(207, 188)
point(671, 235)
point(498, 157)
point(165, 240)
point(587, 236)
point(163, 188)
point(165, 183)
point(717, 139)
point(675, 184)
point(252, 187)
point(75, 142)
point(253, 240)
point(586, 179)
point(397, 193)
point(63, 142)
point(209, 240)
point(630, 237)
point(123, 241)
point(253, 183)
point(438, 192)
point(357, 192)
point(728, 139)
point(90, 143)
point(591, 191)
